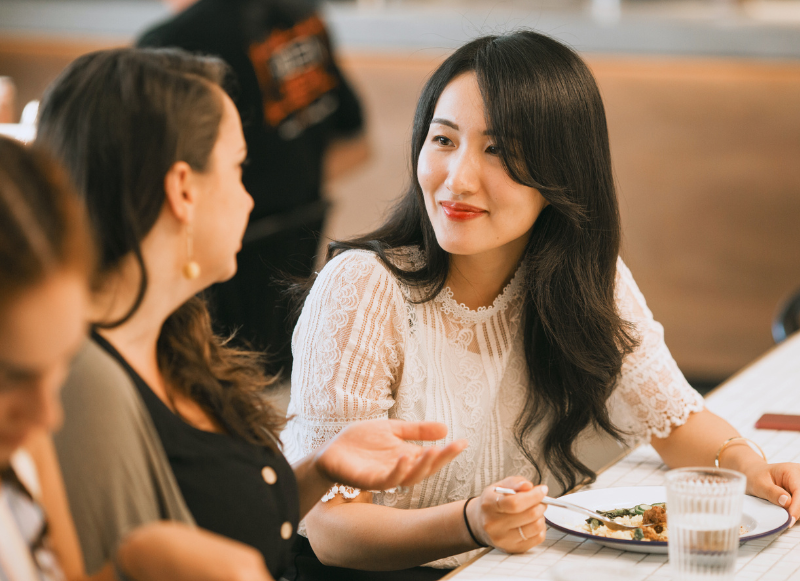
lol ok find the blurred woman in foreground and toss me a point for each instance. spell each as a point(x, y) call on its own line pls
point(46, 257)
point(155, 147)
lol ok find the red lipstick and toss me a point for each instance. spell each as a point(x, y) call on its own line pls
point(461, 212)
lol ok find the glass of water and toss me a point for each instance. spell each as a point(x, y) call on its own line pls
point(704, 513)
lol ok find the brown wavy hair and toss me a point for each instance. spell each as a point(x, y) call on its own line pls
point(119, 120)
point(43, 228)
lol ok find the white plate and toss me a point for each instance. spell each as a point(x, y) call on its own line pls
point(761, 518)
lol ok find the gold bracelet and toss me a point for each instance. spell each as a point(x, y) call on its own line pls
point(729, 440)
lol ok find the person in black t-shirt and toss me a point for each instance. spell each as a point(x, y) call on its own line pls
point(293, 101)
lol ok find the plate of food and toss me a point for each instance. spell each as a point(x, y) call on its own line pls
point(647, 504)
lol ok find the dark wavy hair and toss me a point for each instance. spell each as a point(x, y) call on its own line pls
point(119, 120)
point(544, 108)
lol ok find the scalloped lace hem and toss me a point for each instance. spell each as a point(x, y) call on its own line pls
point(349, 492)
point(462, 312)
point(346, 491)
point(665, 429)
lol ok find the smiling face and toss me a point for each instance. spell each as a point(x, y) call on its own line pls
point(41, 329)
point(473, 204)
point(223, 204)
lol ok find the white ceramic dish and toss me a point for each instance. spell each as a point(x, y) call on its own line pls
point(760, 518)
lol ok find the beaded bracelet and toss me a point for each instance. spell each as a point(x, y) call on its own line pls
point(729, 440)
point(466, 522)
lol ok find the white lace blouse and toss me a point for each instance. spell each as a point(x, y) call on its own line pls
point(363, 350)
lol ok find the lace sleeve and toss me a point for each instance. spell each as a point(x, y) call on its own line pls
point(347, 349)
point(651, 396)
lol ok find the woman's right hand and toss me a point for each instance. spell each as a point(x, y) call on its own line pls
point(512, 523)
point(376, 454)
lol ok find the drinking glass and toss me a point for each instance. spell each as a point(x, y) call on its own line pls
point(704, 512)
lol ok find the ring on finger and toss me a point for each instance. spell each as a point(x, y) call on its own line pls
point(519, 530)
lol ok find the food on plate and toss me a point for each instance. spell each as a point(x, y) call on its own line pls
point(635, 516)
point(641, 514)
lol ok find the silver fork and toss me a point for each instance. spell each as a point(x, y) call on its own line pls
point(610, 523)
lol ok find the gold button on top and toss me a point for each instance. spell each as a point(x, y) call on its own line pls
point(269, 475)
point(286, 531)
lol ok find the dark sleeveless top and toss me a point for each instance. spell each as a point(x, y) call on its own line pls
point(233, 488)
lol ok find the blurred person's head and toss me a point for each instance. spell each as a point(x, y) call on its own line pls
point(155, 147)
point(45, 265)
point(510, 153)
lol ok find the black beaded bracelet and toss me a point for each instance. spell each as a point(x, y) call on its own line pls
point(469, 530)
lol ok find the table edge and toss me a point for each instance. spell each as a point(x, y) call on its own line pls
point(783, 344)
point(460, 568)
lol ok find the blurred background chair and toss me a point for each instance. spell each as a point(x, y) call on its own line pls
point(787, 319)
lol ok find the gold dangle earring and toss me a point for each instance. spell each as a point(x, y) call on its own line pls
point(191, 269)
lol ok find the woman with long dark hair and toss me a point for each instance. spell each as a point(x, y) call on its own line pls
point(493, 299)
point(155, 148)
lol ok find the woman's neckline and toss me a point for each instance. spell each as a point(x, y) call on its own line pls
point(412, 255)
point(500, 303)
point(107, 346)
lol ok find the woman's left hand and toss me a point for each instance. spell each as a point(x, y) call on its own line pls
point(777, 483)
point(374, 454)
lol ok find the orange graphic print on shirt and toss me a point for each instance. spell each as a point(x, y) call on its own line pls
point(293, 67)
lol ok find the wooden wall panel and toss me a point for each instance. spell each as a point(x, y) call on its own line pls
point(33, 63)
point(707, 159)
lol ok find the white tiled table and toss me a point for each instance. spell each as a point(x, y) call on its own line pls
point(771, 384)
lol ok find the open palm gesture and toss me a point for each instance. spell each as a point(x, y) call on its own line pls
point(374, 454)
